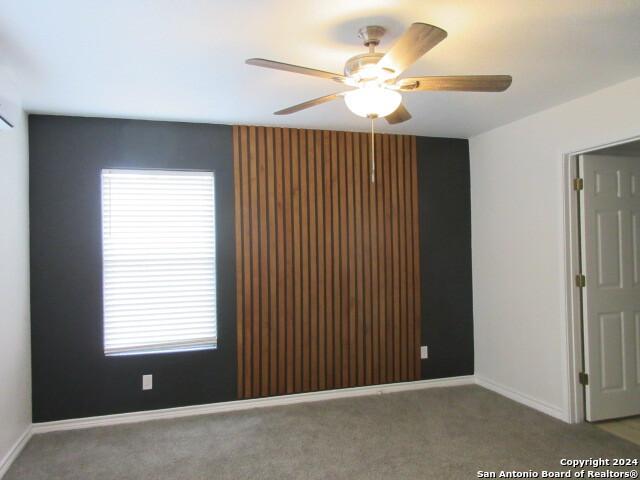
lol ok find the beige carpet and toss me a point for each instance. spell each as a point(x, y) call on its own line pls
point(627, 428)
point(440, 434)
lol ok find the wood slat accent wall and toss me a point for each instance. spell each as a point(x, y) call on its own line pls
point(328, 292)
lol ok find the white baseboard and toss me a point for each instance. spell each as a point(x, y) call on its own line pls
point(14, 451)
point(133, 417)
point(519, 397)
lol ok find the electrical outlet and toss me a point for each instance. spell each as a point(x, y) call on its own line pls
point(147, 382)
point(424, 352)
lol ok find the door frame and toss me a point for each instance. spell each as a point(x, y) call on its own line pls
point(573, 298)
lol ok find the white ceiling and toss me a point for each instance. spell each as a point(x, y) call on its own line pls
point(184, 60)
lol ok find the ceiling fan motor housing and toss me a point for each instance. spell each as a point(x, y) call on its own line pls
point(362, 68)
point(360, 65)
point(371, 34)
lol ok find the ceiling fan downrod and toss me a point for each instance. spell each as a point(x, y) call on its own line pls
point(371, 35)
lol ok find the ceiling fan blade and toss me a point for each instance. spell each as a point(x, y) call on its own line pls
point(309, 104)
point(400, 115)
point(413, 44)
point(463, 83)
point(287, 67)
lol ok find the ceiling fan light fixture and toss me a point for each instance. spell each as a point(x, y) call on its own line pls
point(372, 101)
point(377, 77)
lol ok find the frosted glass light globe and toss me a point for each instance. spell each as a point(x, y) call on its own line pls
point(372, 101)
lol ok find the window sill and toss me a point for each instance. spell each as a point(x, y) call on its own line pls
point(162, 350)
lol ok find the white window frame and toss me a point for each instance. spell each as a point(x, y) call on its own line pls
point(211, 341)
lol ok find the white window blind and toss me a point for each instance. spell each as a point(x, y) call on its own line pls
point(159, 255)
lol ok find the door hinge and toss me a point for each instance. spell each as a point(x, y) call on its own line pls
point(583, 378)
point(581, 280)
point(578, 184)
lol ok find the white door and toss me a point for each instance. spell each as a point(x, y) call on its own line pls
point(610, 220)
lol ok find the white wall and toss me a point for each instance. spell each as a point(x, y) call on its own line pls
point(15, 356)
point(519, 279)
point(518, 251)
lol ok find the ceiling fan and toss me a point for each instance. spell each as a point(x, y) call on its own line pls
point(376, 88)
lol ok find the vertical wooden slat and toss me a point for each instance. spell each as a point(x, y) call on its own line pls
point(322, 330)
point(327, 263)
point(313, 263)
point(366, 261)
point(329, 257)
point(388, 260)
point(375, 300)
point(350, 261)
point(397, 324)
point(272, 259)
point(246, 249)
point(357, 253)
point(264, 274)
point(344, 260)
point(289, 260)
point(297, 262)
point(281, 241)
point(381, 293)
point(402, 280)
point(239, 259)
point(255, 262)
point(304, 252)
point(336, 173)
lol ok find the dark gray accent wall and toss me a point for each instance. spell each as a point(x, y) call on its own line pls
point(445, 256)
point(71, 375)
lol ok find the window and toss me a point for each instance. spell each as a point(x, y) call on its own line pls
point(159, 256)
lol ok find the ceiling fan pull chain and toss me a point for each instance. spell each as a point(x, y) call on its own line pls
point(373, 156)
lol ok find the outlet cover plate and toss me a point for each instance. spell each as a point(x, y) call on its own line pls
point(424, 352)
point(147, 382)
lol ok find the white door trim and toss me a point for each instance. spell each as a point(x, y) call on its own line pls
point(575, 393)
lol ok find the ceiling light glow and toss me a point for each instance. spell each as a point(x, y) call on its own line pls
point(372, 101)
